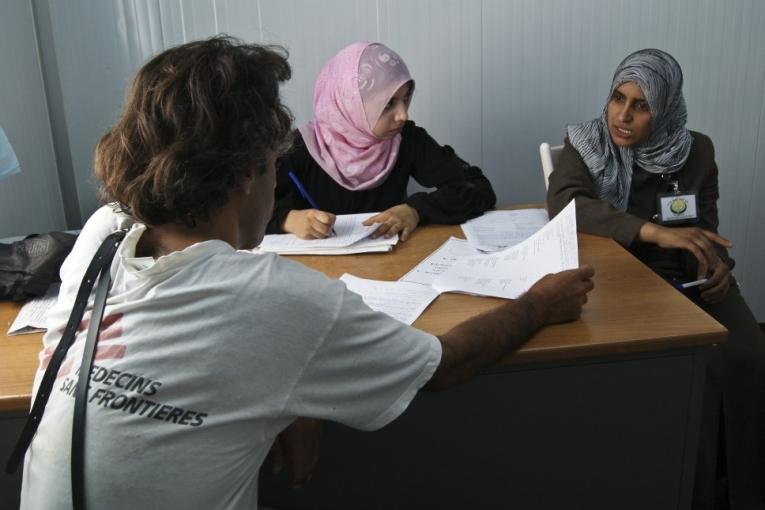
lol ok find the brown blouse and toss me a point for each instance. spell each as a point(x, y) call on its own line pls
point(571, 180)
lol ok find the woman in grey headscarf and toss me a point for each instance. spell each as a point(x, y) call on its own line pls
point(639, 176)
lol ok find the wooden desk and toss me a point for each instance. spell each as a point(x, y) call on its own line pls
point(599, 413)
point(18, 362)
point(631, 310)
point(603, 412)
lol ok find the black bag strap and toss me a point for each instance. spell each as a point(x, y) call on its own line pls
point(100, 265)
point(83, 381)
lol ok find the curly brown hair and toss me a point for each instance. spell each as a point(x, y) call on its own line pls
point(198, 119)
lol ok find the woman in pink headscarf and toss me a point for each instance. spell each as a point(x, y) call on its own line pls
point(359, 151)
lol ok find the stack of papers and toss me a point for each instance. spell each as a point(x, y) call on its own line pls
point(497, 230)
point(456, 266)
point(350, 237)
point(511, 272)
point(33, 315)
point(406, 299)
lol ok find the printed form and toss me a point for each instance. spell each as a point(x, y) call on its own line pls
point(439, 261)
point(497, 230)
point(33, 315)
point(401, 300)
point(510, 273)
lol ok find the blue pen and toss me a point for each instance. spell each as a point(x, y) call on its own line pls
point(695, 283)
point(305, 194)
point(302, 191)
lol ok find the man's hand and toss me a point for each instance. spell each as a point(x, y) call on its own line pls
point(559, 297)
point(477, 343)
point(700, 242)
point(309, 223)
point(400, 218)
point(718, 283)
point(301, 440)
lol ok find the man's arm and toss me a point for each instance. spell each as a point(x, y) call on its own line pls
point(481, 341)
point(467, 349)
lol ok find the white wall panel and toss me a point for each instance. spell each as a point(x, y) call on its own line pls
point(313, 31)
point(441, 43)
point(29, 201)
point(239, 18)
point(98, 48)
point(172, 22)
point(737, 123)
point(199, 19)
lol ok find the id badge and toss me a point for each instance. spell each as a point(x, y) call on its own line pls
point(677, 207)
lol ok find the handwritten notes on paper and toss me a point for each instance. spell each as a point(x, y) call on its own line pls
point(33, 315)
point(439, 261)
point(350, 237)
point(497, 230)
point(401, 300)
point(510, 273)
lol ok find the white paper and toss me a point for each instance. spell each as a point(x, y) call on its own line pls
point(350, 237)
point(359, 247)
point(439, 261)
point(510, 273)
point(32, 316)
point(497, 230)
point(401, 300)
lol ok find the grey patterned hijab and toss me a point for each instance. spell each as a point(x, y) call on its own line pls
point(665, 151)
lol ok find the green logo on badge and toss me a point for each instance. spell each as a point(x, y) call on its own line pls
point(678, 205)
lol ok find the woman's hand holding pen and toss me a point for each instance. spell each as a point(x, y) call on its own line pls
point(401, 219)
point(700, 242)
point(717, 284)
point(309, 223)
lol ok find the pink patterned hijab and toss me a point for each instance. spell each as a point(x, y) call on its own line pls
point(350, 94)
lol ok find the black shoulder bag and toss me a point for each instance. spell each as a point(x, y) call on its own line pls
point(99, 268)
point(29, 266)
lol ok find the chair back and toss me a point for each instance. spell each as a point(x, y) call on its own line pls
point(548, 154)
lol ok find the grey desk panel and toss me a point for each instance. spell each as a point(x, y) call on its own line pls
point(600, 433)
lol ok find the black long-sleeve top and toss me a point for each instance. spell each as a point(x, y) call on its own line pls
point(462, 192)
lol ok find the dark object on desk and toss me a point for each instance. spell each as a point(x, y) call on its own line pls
point(29, 266)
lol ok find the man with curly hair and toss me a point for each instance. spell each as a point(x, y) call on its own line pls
point(207, 353)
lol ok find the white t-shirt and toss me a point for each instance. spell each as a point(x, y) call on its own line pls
point(204, 356)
